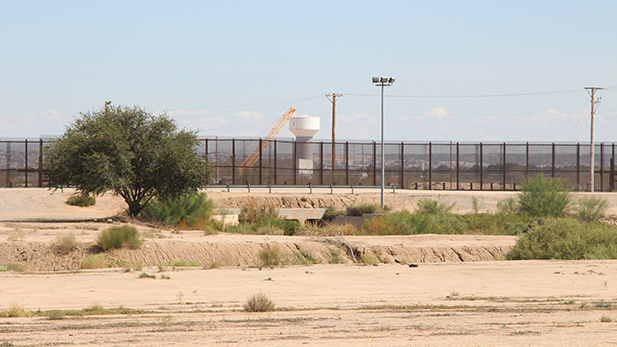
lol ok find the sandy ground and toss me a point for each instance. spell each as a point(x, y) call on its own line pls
point(438, 303)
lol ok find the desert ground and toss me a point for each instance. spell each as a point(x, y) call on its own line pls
point(462, 293)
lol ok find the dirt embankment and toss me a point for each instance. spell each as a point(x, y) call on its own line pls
point(32, 253)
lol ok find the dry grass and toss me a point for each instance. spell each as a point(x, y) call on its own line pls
point(16, 310)
point(259, 303)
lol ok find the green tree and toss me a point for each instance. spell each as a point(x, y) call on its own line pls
point(129, 152)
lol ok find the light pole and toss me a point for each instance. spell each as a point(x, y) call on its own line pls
point(382, 82)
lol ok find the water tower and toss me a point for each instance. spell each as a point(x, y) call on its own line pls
point(304, 128)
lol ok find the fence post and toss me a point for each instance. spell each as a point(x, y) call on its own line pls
point(430, 166)
point(481, 168)
point(527, 160)
point(374, 163)
point(504, 166)
point(602, 167)
point(553, 163)
point(346, 162)
point(294, 154)
point(402, 165)
point(26, 159)
point(40, 163)
point(457, 165)
point(260, 158)
point(578, 166)
point(275, 163)
point(321, 163)
point(233, 161)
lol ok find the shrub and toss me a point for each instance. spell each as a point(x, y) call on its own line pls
point(15, 267)
point(81, 200)
point(331, 213)
point(118, 237)
point(268, 225)
point(448, 223)
point(591, 209)
point(259, 303)
point(17, 310)
point(508, 206)
point(190, 209)
point(401, 223)
point(544, 198)
point(362, 209)
point(145, 275)
point(251, 212)
point(566, 239)
point(92, 261)
point(271, 256)
point(428, 206)
point(66, 243)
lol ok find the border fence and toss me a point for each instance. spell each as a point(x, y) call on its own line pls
point(425, 166)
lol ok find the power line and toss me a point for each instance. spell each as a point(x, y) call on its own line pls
point(469, 96)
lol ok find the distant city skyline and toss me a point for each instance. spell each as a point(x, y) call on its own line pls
point(465, 71)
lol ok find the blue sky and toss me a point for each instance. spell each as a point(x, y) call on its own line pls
point(231, 68)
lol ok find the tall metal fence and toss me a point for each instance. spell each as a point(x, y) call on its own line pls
point(436, 166)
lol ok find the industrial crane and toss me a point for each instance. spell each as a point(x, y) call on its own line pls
point(272, 134)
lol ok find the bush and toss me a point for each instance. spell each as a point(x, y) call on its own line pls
point(66, 243)
point(259, 303)
point(189, 209)
point(428, 206)
point(362, 209)
point(591, 209)
point(544, 198)
point(271, 256)
point(92, 261)
point(331, 213)
point(566, 239)
point(401, 223)
point(269, 226)
point(118, 237)
point(81, 200)
point(253, 213)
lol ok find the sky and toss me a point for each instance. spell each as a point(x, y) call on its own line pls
point(466, 71)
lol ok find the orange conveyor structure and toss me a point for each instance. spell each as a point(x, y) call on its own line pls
point(272, 134)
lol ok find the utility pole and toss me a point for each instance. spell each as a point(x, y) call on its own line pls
point(594, 101)
point(107, 103)
point(332, 97)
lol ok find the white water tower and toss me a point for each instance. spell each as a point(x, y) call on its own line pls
point(304, 128)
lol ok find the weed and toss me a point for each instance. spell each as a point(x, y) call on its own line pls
point(160, 267)
point(271, 255)
point(166, 321)
point(118, 237)
point(566, 239)
point(508, 206)
point(92, 261)
point(165, 277)
point(15, 267)
point(252, 212)
point(544, 198)
point(81, 200)
point(331, 213)
point(16, 310)
point(179, 296)
point(3, 269)
point(429, 206)
point(145, 275)
point(303, 199)
point(181, 263)
point(590, 209)
point(606, 319)
point(188, 209)
point(259, 303)
point(55, 315)
point(362, 209)
point(369, 258)
point(66, 243)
